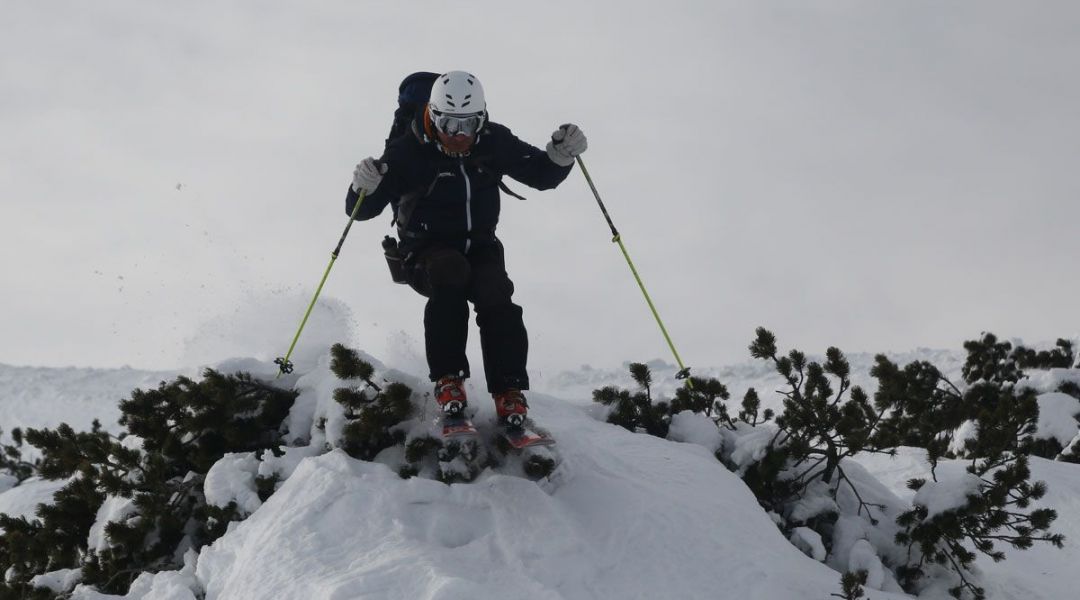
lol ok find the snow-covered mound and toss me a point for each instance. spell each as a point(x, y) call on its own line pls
point(624, 516)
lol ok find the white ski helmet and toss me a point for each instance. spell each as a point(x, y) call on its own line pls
point(457, 104)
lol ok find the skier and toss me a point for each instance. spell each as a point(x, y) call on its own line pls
point(442, 177)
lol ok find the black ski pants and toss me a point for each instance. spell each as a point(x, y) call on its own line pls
point(450, 280)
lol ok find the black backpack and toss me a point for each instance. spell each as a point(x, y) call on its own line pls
point(413, 94)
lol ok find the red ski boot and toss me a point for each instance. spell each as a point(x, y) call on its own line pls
point(450, 395)
point(511, 408)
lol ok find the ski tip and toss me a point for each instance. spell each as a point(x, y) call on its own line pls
point(526, 439)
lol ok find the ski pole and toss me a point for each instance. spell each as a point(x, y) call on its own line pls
point(684, 371)
point(284, 366)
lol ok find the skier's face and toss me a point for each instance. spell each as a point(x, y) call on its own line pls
point(456, 144)
point(456, 133)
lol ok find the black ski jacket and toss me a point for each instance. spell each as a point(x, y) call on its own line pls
point(453, 200)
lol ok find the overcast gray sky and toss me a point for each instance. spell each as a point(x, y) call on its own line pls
point(872, 175)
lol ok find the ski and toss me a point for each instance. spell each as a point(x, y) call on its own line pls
point(457, 427)
point(520, 438)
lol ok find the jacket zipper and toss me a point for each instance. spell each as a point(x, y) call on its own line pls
point(468, 206)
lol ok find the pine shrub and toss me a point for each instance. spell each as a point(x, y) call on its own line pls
point(819, 427)
point(927, 411)
point(636, 411)
point(11, 458)
point(374, 413)
point(851, 585)
point(173, 435)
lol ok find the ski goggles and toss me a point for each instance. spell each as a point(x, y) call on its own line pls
point(457, 124)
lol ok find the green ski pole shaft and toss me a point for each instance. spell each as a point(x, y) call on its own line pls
point(284, 365)
point(684, 371)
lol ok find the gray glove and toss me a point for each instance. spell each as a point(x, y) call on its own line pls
point(367, 175)
point(567, 142)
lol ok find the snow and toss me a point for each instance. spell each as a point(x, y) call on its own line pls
point(44, 397)
point(968, 430)
point(695, 428)
point(244, 333)
point(22, 501)
point(1043, 572)
point(1058, 414)
point(812, 505)
point(167, 585)
point(1050, 379)
point(114, 510)
point(232, 479)
point(946, 495)
point(625, 515)
point(855, 540)
point(751, 447)
point(284, 465)
point(863, 557)
point(62, 580)
point(809, 541)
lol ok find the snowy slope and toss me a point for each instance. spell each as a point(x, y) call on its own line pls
point(625, 516)
point(45, 397)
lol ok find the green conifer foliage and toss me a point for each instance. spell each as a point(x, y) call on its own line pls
point(998, 513)
point(819, 427)
point(1061, 356)
point(705, 396)
point(11, 458)
point(851, 585)
point(922, 408)
point(926, 411)
point(174, 434)
point(374, 413)
point(636, 411)
point(751, 404)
